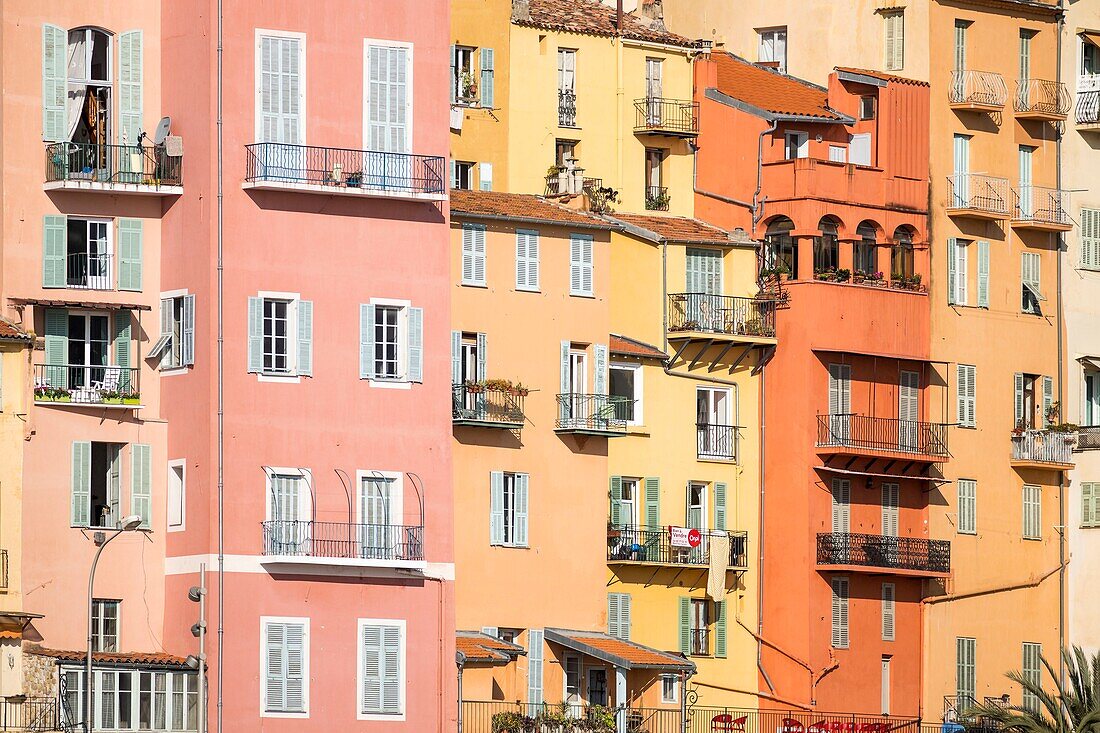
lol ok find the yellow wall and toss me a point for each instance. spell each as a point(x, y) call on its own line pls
point(13, 412)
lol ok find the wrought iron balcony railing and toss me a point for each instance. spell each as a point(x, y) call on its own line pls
point(1088, 437)
point(345, 170)
point(343, 540)
point(89, 271)
point(1041, 97)
point(83, 384)
point(700, 642)
point(599, 413)
point(26, 713)
point(633, 543)
point(721, 314)
point(1043, 446)
point(716, 442)
point(142, 165)
point(1087, 111)
point(663, 116)
point(978, 89)
point(882, 434)
point(1041, 205)
point(479, 404)
point(978, 193)
point(567, 108)
point(878, 551)
point(656, 198)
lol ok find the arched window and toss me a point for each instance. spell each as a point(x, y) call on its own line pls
point(901, 254)
point(781, 251)
point(88, 102)
point(865, 254)
point(826, 246)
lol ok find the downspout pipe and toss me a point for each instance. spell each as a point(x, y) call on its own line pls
point(221, 390)
point(460, 661)
point(1061, 375)
point(757, 214)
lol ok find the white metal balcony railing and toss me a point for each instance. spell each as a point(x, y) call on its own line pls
point(1041, 97)
point(978, 193)
point(1087, 111)
point(1043, 446)
point(978, 88)
point(89, 271)
point(1041, 205)
point(1088, 83)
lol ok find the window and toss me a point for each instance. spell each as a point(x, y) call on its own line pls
point(965, 667)
point(960, 178)
point(572, 681)
point(888, 611)
point(1031, 291)
point(1090, 58)
point(508, 509)
point(700, 627)
point(842, 505)
point(473, 254)
point(1090, 237)
point(97, 483)
point(960, 43)
point(656, 195)
point(105, 625)
point(716, 434)
point(567, 80)
point(1027, 196)
point(380, 515)
point(865, 249)
point(464, 81)
point(773, 47)
point(618, 615)
point(177, 495)
point(1029, 411)
point(281, 88)
point(287, 530)
point(867, 107)
point(88, 254)
point(966, 395)
point(388, 101)
point(626, 383)
point(1033, 521)
point(580, 265)
point(696, 516)
point(782, 248)
point(902, 261)
point(796, 144)
point(391, 350)
point(184, 696)
point(284, 684)
point(1031, 672)
point(670, 689)
point(968, 506)
point(1091, 409)
point(565, 151)
point(704, 273)
point(1025, 56)
point(958, 275)
point(891, 502)
point(597, 686)
point(527, 260)
point(133, 700)
point(280, 335)
point(894, 25)
point(840, 613)
point(176, 344)
point(386, 342)
point(463, 177)
point(826, 246)
point(381, 669)
point(626, 501)
point(1090, 504)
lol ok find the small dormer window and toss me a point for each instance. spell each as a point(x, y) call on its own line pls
point(867, 107)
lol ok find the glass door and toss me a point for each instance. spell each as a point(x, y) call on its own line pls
point(290, 533)
point(89, 347)
point(377, 537)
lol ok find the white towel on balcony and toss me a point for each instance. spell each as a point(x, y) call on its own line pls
point(719, 562)
point(458, 114)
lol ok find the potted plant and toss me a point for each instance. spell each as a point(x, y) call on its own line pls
point(858, 276)
point(658, 201)
point(354, 179)
point(1019, 429)
point(131, 398)
point(467, 86)
point(110, 397)
point(474, 387)
point(613, 532)
point(842, 275)
point(521, 390)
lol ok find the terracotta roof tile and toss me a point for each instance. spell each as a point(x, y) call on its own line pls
point(631, 347)
point(12, 332)
point(594, 18)
point(624, 653)
point(882, 75)
point(479, 647)
point(676, 228)
point(771, 91)
point(522, 207)
point(158, 659)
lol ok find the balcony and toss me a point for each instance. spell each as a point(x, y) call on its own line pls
point(636, 545)
point(343, 544)
point(1041, 209)
point(144, 170)
point(807, 178)
point(591, 414)
point(1087, 111)
point(977, 196)
point(978, 91)
point(89, 271)
point(716, 442)
point(567, 108)
point(667, 117)
point(26, 713)
point(1043, 449)
point(344, 172)
point(882, 437)
point(487, 406)
point(873, 553)
point(1088, 438)
point(66, 385)
point(721, 318)
point(656, 198)
point(1039, 99)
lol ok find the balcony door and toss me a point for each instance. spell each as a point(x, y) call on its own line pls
point(653, 91)
point(89, 347)
point(280, 98)
point(88, 254)
point(909, 411)
point(379, 516)
point(287, 510)
point(840, 403)
point(597, 686)
point(961, 177)
point(1091, 412)
point(1027, 193)
point(704, 288)
point(714, 423)
point(700, 627)
point(388, 80)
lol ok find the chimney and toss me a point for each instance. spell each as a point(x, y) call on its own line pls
point(521, 10)
point(654, 12)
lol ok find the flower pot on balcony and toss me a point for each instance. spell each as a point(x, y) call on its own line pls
point(133, 399)
point(355, 180)
point(112, 400)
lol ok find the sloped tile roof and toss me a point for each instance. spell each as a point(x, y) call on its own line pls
point(593, 18)
point(882, 75)
point(479, 647)
point(632, 347)
point(521, 207)
point(676, 228)
point(620, 652)
point(11, 332)
point(135, 659)
point(771, 91)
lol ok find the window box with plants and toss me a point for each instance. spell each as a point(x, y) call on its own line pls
point(52, 394)
point(657, 200)
point(873, 279)
point(911, 283)
point(833, 275)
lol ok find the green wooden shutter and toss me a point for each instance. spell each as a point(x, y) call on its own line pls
point(599, 352)
point(256, 335)
point(983, 273)
point(416, 344)
point(520, 530)
point(653, 502)
point(488, 95)
point(366, 341)
point(496, 508)
point(57, 346)
point(454, 77)
point(720, 629)
point(952, 247)
point(141, 483)
point(624, 615)
point(456, 357)
point(187, 348)
point(122, 347)
point(305, 338)
point(55, 251)
point(719, 505)
point(81, 496)
point(685, 625)
point(129, 254)
point(616, 500)
point(55, 125)
point(130, 56)
point(535, 639)
point(965, 667)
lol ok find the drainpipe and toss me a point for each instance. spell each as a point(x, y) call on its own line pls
point(620, 92)
point(756, 202)
point(221, 396)
point(1061, 366)
point(460, 661)
point(763, 534)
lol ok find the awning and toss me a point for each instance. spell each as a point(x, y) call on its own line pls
point(89, 304)
point(618, 652)
point(881, 355)
point(849, 472)
point(160, 345)
point(1090, 361)
point(479, 648)
point(1091, 36)
point(158, 660)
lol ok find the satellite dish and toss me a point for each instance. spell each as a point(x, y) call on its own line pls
point(163, 128)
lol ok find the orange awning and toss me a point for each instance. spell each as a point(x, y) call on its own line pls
point(1091, 36)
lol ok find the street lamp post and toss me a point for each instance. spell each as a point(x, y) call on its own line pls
point(128, 524)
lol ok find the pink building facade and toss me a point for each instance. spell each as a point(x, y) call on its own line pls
point(338, 599)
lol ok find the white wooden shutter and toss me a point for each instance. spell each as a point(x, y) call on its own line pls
point(1090, 239)
point(485, 176)
point(887, 611)
point(390, 98)
point(255, 335)
point(81, 483)
point(141, 483)
point(909, 397)
point(966, 395)
point(496, 508)
point(527, 259)
point(295, 653)
point(187, 348)
point(895, 40)
point(519, 532)
point(392, 674)
point(1048, 400)
point(952, 263)
point(580, 264)
point(599, 352)
point(840, 613)
point(371, 652)
point(473, 254)
point(275, 667)
point(968, 505)
point(1018, 388)
point(130, 55)
point(488, 95)
point(305, 338)
point(535, 639)
point(891, 500)
point(415, 346)
point(366, 341)
point(842, 507)
point(983, 273)
point(482, 341)
point(281, 90)
point(965, 667)
point(840, 389)
point(55, 124)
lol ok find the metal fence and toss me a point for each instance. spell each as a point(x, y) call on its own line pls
point(29, 714)
point(667, 116)
point(567, 108)
point(981, 193)
point(1043, 446)
point(985, 88)
point(85, 384)
point(879, 551)
point(1041, 205)
point(716, 442)
point(725, 314)
point(147, 165)
point(89, 271)
point(343, 540)
point(369, 170)
point(1042, 97)
point(1088, 438)
point(1087, 111)
point(882, 434)
point(598, 412)
point(633, 543)
point(656, 198)
point(483, 404)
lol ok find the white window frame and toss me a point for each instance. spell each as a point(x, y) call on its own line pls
point(397, 494)
point(291, 376)
point(704, 507)
point(305, 498)
point(1090, 409)
point(666, 698)
point(580, 687)
point(471, 176)
point(181, 464)
point(637, 502)
point(97, 624)
point(171, 371)
point(258, 78)
point(772, 32)
point(639, 389)
point(963, 399)
point(802, 149)
point(400, 623)
point(508, 524)
point(409, 82)
point(402, 379)
point(264, 622)
point(459, 52)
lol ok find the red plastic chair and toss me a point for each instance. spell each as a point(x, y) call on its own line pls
point(818, 727)
point(790, 725)
point(726, 723)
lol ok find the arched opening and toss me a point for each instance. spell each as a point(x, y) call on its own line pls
point(827, 245)
point(865, 252)
point(781, 250)
point(88, 101)
point(902, 263)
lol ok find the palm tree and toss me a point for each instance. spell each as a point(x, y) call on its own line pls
point(1074, 708)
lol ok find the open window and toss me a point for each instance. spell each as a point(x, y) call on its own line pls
point(901, 254)
point(865, 249)
point(781, 254)
point(827, 245)
point(88, 96)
